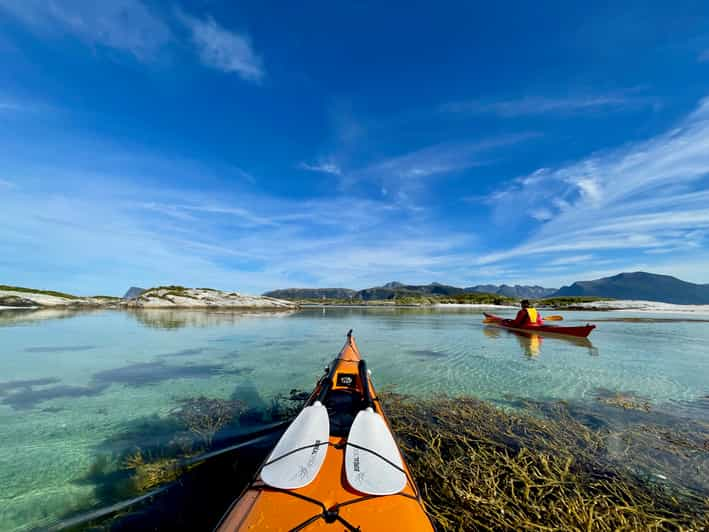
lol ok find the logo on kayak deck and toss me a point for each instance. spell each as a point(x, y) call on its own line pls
point(346, 379)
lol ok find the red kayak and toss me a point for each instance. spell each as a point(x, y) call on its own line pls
point(580, 332)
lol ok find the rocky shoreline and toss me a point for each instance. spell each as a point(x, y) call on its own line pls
point(159, 297)
point(179, 297)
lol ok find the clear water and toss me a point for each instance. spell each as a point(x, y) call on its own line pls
point(69, 381)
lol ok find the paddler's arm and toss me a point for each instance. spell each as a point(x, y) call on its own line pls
point(519, 320)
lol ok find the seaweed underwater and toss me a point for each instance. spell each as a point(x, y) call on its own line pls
point(478, 466)
point(481, 467)
point(149, 455)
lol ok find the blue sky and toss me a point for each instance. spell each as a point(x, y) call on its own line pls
point(256, 145)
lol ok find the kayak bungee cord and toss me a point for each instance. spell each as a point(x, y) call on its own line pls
point(330, 515)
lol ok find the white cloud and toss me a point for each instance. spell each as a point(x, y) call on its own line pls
point(226, 238)
point(322, 167)
point(590, 189)
point(224, 50)
point(539, 105)
point(126, 25)
point(541, 215)
point(648, 196)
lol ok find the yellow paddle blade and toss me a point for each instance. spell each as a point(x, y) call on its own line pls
point(554, 318)
point(489, 320)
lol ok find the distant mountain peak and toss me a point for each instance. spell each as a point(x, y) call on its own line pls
point(393, 284)
point(641, 286)
point(133, 292)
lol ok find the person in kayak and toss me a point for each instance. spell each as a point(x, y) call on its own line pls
point(527, 316)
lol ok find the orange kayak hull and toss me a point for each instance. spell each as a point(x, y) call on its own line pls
point(262, 508)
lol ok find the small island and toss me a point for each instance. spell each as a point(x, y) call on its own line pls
point(159, 297)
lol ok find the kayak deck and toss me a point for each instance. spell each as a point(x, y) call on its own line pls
point(329, 502)
point(262, 508)
point(580, 332)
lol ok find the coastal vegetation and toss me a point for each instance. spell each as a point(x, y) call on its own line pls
point(165, 292)
point(36, 291)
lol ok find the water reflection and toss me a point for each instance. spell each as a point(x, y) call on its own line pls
point(179, 318)
point(531, 342)
point(14, 317)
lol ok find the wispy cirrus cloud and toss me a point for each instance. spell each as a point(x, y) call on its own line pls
point(119, 232)
point(126, 25)
point(572, 259)
point(541, 105)
point(131, 26)
point(649, 196)
point(322, 167)
point(224, 50)
point(408, 172)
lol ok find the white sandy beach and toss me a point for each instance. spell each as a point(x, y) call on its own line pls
point(474, 305)
point(644, 306)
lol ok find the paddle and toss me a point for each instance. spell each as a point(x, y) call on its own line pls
point(300, 453)
point(373, 463)
point(547, 318)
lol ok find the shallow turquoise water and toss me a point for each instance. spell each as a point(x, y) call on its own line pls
point(71, 381)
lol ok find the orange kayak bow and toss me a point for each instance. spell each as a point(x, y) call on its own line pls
point(337, 467)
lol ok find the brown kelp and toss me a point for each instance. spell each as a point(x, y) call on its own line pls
point(204, 416)
point(480, 467)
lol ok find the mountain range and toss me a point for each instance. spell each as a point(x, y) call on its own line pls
point(643, 286)
point(634, 285)
point(395, 290)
